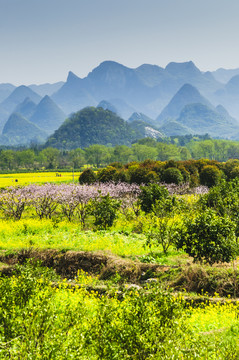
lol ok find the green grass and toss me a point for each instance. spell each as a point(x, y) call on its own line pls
point(46, 234)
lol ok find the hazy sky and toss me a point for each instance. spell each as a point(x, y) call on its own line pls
point(41, 40)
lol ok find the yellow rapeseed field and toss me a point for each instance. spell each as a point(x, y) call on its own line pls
point(38, 177)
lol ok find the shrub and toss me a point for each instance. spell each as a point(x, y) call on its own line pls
point(107, 174)
point(151, 177)
point(185, 173)
point(141, 326)
point(235, 172)
point(172, 175)
point(104, 210)
point(150, 194)
point(164, 231)
point(87, 177)
point(229, 167)
point(139, 176)
point(224, 199)
point(121, 176)
point(209, 237)
point(210, 175)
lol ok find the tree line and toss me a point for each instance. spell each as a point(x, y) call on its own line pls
point(175, 148)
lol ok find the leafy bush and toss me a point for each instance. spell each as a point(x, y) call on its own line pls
point(209, 237)
point(107, 174)
point(172, 175)
point(224, 199)
point(139, 175)
point(104, 210)
point(210, 175)
point(142, 326)
point(229, 167)
point(87, 177)
point(235, 172)
point(150, 194)
point(121, 176)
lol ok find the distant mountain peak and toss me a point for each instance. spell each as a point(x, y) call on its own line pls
point(185, 67)
point(48, 116)
point(27, 100)
point(26, 108)
point(18, 95)
point(109, 63)
point(19, 130)
point(188, 89)
point(137, 116)
point(107, 67)
point(233, 85)
point(23, 90)
point(72, 77)
point(93, 126)
point(106, 105)
point(187, 94)
point(46, 99)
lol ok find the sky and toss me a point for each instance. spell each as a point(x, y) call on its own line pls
point(42, 40)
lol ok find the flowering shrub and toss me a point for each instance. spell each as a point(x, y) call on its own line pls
point(14, 200)
point(67, 199)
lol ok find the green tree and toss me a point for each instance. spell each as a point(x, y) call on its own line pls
point(107, 174)
point(143, 152)
point(167, 152)
point(51, 157)
point(209, 237)
point(26, 158)
point(8, 159)
point(77, 158)
point(122, 153)
point(97, 155)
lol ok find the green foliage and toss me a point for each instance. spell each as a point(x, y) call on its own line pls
point(142, 326)
point(210, 175)
point(107, 174)
point(143, 152)
point(104, 210)
point(87, 177)
point(141, 175)
point(32, 326)
point(44, 317)
point(150, 194)
point(93, 126)
point(51, 156)
point(224, 199)
point(97, 155)
point(163, 231)
point(229, 167)
point(235, 172)
point(165, 225)
point(209, 237)
point(121, 176)
point(172, 175)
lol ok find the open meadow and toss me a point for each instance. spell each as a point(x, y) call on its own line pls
point(117, 271)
